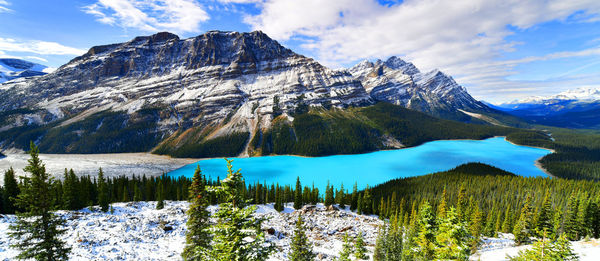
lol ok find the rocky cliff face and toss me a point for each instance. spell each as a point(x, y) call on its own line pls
point(217, 78)
point(401, 83)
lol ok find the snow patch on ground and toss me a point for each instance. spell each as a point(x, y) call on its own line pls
point(137, 231)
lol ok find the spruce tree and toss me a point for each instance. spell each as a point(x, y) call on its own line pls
point(328, 195)
point(507, 224)
point(11, 190)
point(341, 197)
point(103, 197)
point(235, 223)
point(346, 249)
point(547, 250)
point(354, 201)
point(360, 250)
point(160, 195)
point(544, 219)
point(441, 210)
point(476, 227)
point(571, 227)
point(452, 238)
point(556, 224)
point(298, 194)
point(367, 202)
point(198, 236)
point(70, 191)
point(522, 229)
point(301, 248)
point(425, 241)
point(37, 229)
point(278, 199)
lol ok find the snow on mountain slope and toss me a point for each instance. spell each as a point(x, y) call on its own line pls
point(213, 79)
point(401, 83)
point(579, 94)
point(15, 68)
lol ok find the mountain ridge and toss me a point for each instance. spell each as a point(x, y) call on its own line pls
point(187, 91)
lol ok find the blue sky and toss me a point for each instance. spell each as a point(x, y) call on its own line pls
point(499, 50)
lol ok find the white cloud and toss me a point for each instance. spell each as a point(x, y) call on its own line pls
point(38, 47)
point(463, 38)
point(241, 1)
point(36, 58)
point(151, 15)
point(3, 6)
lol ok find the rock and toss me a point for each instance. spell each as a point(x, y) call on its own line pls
point(271, 231)
point(332, 208)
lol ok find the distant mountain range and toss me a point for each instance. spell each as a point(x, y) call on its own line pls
point(163, 90)
point(16, 68)
point(578, 108)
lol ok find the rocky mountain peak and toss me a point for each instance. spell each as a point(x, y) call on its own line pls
point(399, 64)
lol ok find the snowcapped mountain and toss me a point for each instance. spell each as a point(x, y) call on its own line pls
point(16, 68)
point(209, 81)
point(401, 83)
point(161, 91)
point(577, 108)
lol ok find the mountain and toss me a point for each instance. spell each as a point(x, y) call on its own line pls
point(212, 95)
point(15, 68)
point(401, 83)
point(578, 108)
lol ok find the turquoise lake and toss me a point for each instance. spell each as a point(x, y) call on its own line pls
point(376, 167)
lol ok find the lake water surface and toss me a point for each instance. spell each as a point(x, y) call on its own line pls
point(377, 167)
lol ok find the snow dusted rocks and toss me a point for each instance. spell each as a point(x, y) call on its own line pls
point(401, 83)
point(137, 231)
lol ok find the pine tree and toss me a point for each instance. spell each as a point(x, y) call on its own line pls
point(341, 197)
point(160, 195)
point(360, 250)
point(359, 209)
point(235, 223)
point(441, 211)
point(452, 238)
point(329, 195)
point(37, 230)
point(346, 249)
point(354, 201)
point(198, 236)
point(522, 229)
point(425, 241)
point(11, 191)
point(298, 194)
point(70, 191)
point(102, 192)
point(546, 250)
point(137, 192)
point(556, 224)
point(582, 216)
point(381, 211)
point(278, 199)
point(475, 228)
point(544, 219)
point(301, 248)
point(571, 228)
point(507, 224)
point(462, 203)
point(367, 202)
